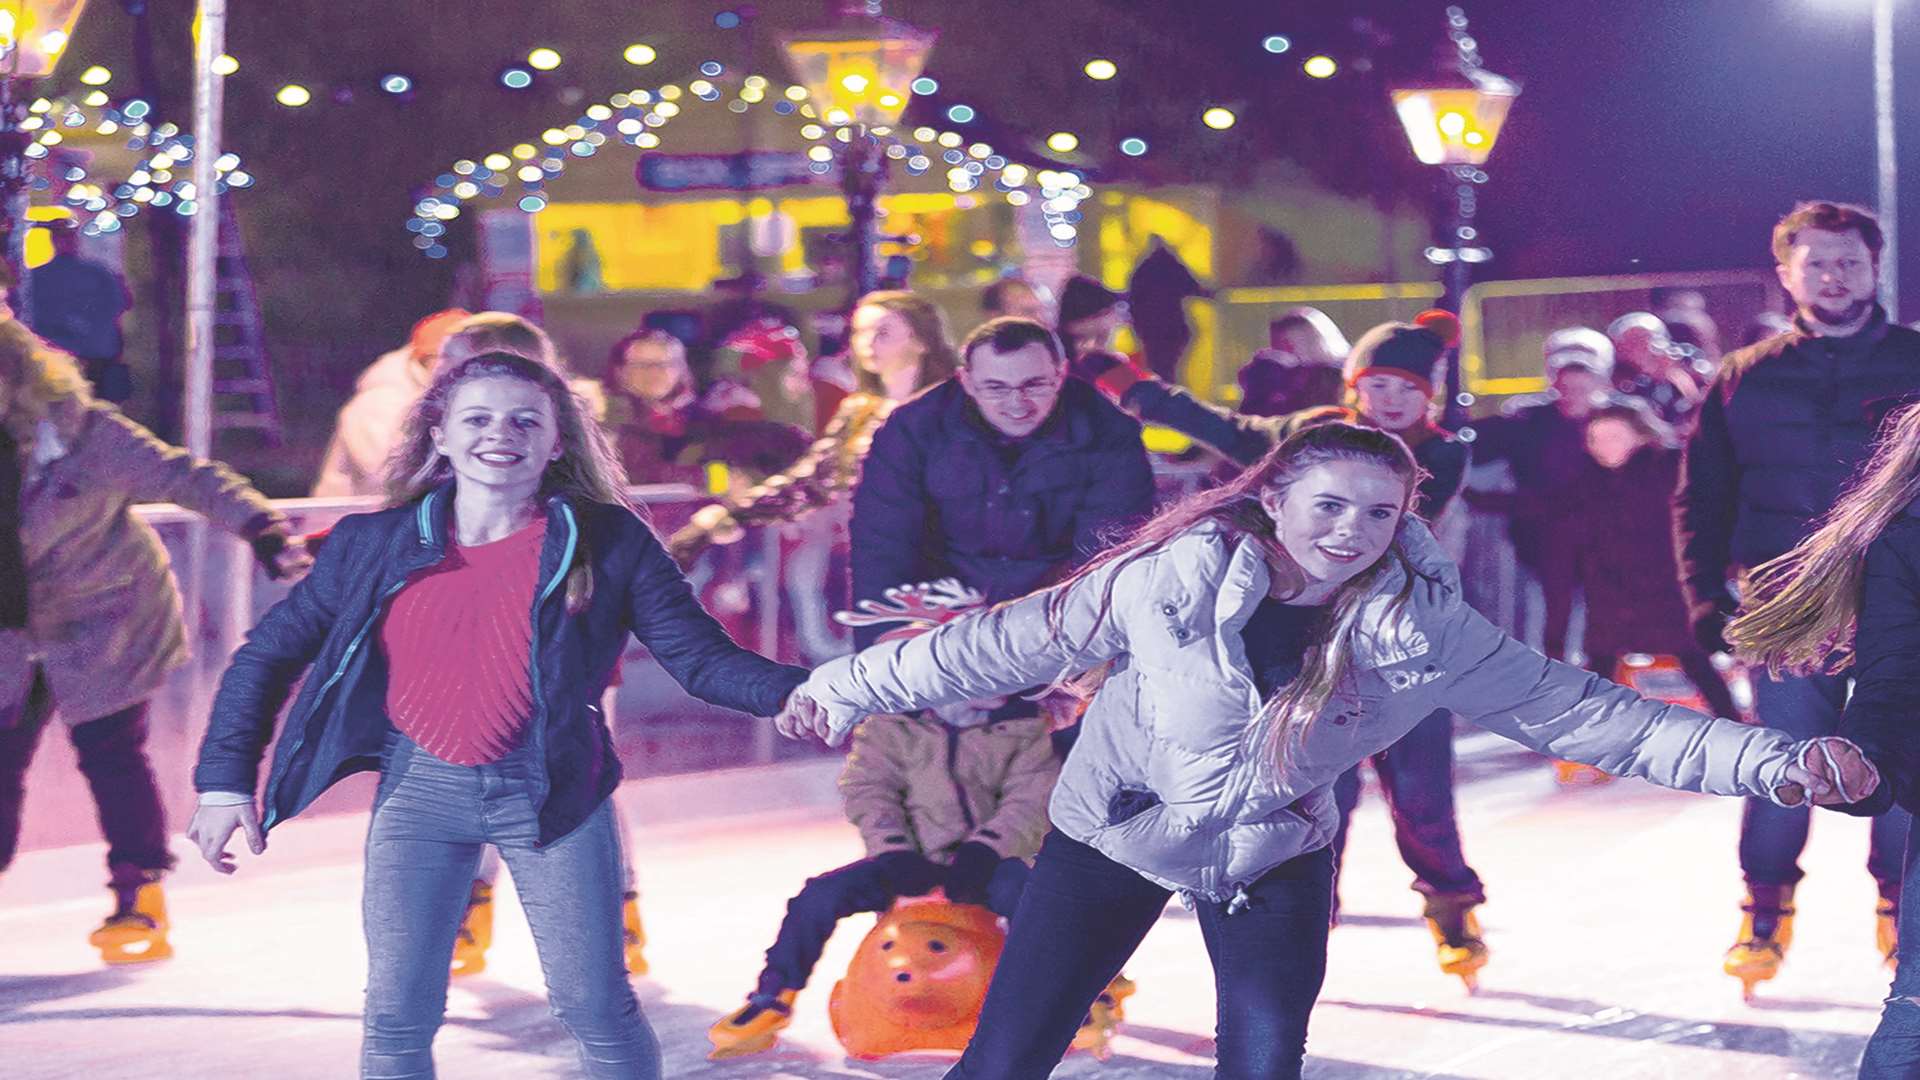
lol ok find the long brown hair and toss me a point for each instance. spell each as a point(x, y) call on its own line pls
point(586, 471)
point(1284, 721)
point(44, 382)
point(1806, 603)
point(938, 361)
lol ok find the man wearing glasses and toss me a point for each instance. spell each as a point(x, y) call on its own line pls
point(1005, 476)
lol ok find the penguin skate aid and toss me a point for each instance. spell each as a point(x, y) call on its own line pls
point(950, 804)
point(1209, 747)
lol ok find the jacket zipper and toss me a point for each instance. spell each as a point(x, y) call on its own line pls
point(379, 604)
point(537, 723)
point(953, 774)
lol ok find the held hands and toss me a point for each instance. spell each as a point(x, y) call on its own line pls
point(1828, 771)
point(213, 826)
point(804, 718)
point(293, 561)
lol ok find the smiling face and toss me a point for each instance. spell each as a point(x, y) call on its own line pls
point(1336, 520)
point(1014, 390)
point(500, 433)
point(1391, 402)
point(1830, 275)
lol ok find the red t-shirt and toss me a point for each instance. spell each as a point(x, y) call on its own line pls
point(459, 640)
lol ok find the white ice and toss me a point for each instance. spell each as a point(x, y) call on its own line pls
point(1609, 908)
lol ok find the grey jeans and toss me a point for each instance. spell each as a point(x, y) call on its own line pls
point(430, 820)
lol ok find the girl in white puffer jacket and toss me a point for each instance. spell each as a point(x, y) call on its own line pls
point(1263, 638)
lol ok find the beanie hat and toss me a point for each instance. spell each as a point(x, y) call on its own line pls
point(1083, 297)
point(1409, 350)
point(430, 332)
point(1579, 346)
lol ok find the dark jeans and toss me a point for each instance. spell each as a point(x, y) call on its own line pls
point(1894, 1051)
point(1772, 837)
point(113, 758)
point(836, 894)
point(1700, 671)
point(1082, 915)
point(1416, 774)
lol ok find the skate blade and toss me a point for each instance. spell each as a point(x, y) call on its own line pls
point(143, 951)
point(759, 1044)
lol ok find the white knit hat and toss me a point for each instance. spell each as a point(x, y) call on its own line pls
point(1579, 346)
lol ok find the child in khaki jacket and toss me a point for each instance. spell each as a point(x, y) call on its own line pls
point(949, 798)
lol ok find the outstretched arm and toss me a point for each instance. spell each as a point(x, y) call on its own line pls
point(1003, 650)
point(1575, 715)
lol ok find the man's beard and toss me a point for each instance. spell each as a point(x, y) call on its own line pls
point(1852, 313)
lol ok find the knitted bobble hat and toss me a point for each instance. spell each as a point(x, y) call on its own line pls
point(1409, 350)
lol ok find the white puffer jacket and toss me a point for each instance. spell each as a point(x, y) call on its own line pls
point(1168, 728)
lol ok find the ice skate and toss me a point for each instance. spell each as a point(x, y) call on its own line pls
point(136, 933)
point(1574, 774)
point(1103, 1019)
point(1458, 943)
point(1886, 928)
point(1765, 932)
point(636, 935)
point(476, 932)
point(754, 1028)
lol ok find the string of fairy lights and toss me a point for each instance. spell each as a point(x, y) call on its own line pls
point(102, 205)
point(636, 117)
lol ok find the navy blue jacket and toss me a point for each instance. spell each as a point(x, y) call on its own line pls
point(1883, 715)
point(339, 725)
point(1783, 426)
point(943, 494)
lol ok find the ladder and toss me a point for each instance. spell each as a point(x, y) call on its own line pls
point(243, 391)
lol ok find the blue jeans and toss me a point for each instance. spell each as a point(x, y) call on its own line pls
point(1894, 1051)
point(1772, 837)
point(1416, 775)
point(430, 819)
point(853, 888)
point(1082, 915)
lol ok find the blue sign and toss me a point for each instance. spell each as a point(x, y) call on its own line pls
point(727, 172)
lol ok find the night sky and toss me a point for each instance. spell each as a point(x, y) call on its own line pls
point(1651, 134)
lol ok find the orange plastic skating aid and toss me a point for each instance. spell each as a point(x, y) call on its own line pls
point(476, 932)
point(636, 935)
point(751, 1029)
point(918, 980)
point(136, 935)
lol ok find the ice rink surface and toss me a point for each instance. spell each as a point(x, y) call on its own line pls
point(1608, 910)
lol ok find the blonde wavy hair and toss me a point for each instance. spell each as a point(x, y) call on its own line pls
point(587, 470)
point(1804, 605)
point(1282, 724)
point(43, 382)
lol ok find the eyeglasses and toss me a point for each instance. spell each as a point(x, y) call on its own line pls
point(1031, 390)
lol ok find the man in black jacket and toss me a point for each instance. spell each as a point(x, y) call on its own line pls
point(1782, 427)
point(1005, 476)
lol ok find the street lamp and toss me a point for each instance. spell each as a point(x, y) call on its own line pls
point(33, 36)
point(1452, 118)
point(859, 73)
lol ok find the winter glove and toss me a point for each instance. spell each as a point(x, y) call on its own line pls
point(1709, 620)
point(972, 868)
point(1112, 373)
point(907, 873)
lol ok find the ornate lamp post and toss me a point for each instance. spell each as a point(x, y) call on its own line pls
point(859, 74)
point(33, 36)
point(1452, 119)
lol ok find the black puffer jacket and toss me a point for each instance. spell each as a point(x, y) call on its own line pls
point(1782, 428)
point(339, 725)
point(943, 494)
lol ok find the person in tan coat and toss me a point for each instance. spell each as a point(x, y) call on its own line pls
point(90, 618)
